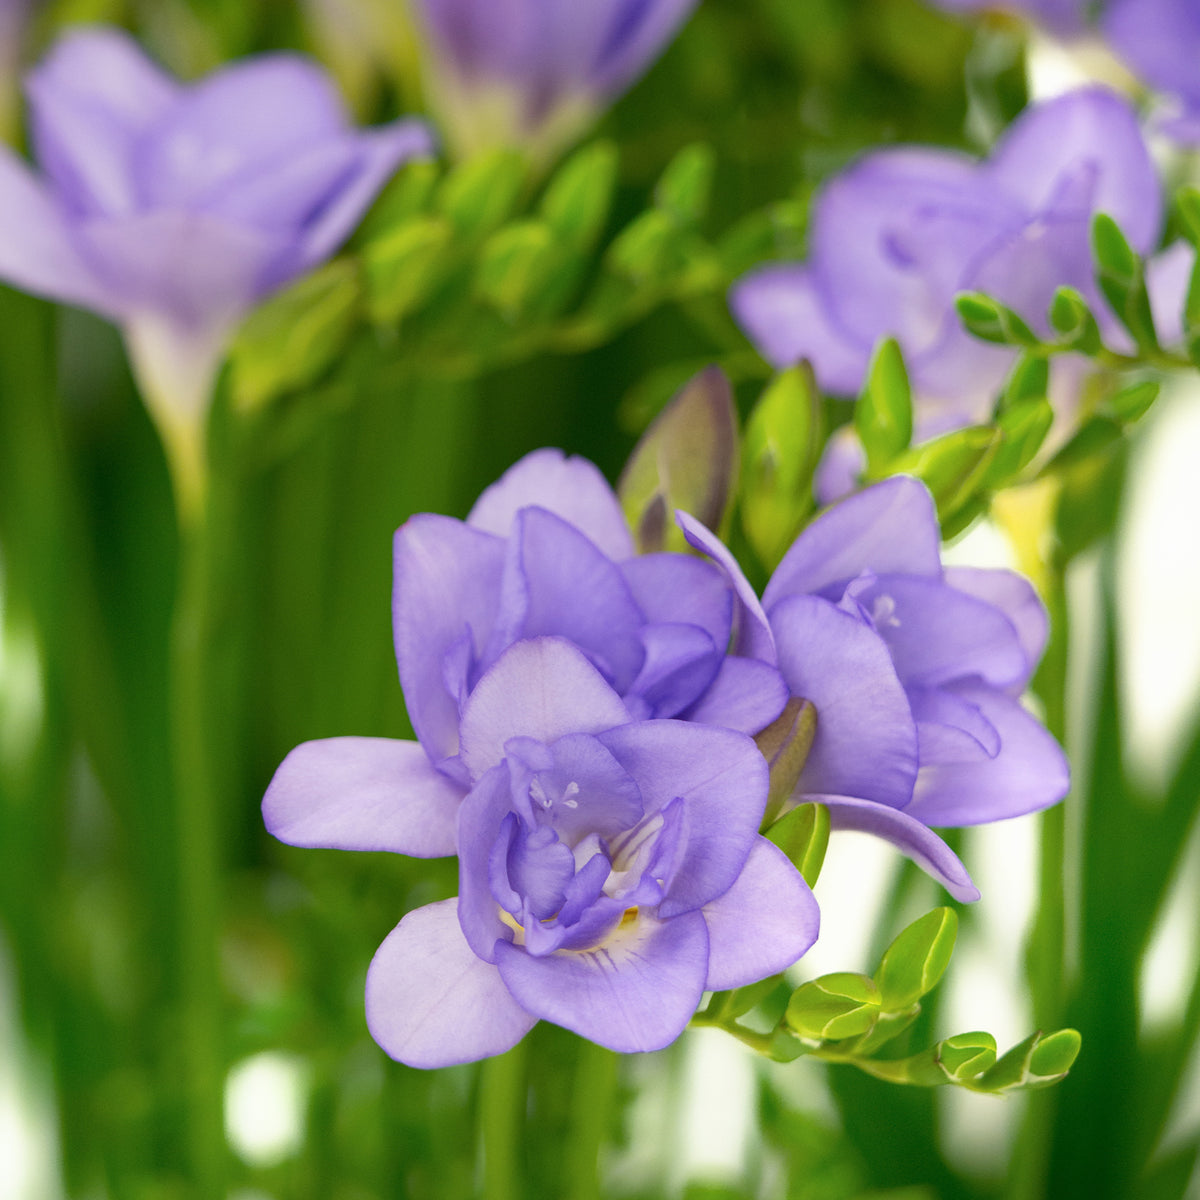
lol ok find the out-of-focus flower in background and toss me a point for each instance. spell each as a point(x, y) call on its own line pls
point(534, 73)
point(1063, 17)
point(1159, 40)
point(900, 233)
point(13, 15)
point(915, 673)
point(172, 208)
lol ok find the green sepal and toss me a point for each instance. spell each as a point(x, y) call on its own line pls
point(785, 1047)
point(889, 1026)
point(1072, 320)
point(687, 459)
point(1121, 279)
point(481, 193)
point(914, 963)
point(684, 188)
point(992, 321)
point(841, 1005)
point(781, 448)
point(287, 342)
point(883, 416)
point(785, 744)
point(803, 835)
point(577, 199)
point(403, 268)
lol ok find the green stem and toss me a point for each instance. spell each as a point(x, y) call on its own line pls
point(502, 1104)
point(593, 1095)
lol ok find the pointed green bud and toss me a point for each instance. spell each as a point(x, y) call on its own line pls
point(883, 415)
point(1132, 403)
point(1024, 427)
point(952, 466)
point(516, 266)
point(684, 189)
point(403, 268)
point(1054, 1055)
point(992, 321)
point(803, 835)
point(782, 445)
point(1038, 1061)
point(576, 201)
point(914, 963)
point(481, 193)
point(687, 459)
point(1187, 199)
point(1073, 321)
point(405, 198)
point(1028, 380)
point(290, 340)
point(841, 1005)
point(966, 1055)
point(1120, 276)
point(785, 744)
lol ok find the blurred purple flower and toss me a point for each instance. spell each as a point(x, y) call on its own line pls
point(1159, 40)
point(897, 235)
point(533, 73)
point(915, 671)
point(610, 871)
point(172, 208)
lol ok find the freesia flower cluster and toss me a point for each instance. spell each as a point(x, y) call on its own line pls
point(585, 722)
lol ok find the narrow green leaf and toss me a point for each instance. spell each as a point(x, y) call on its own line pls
point(687, 459)
point(785, 744)
point(883, 414)
point(290, 340)
point(683, 191)
point(915, 962)
point(992, 321)
point(1120, 276)
point(803, 835)
point(782, 445)
point(403, 268)
point(841, 1005)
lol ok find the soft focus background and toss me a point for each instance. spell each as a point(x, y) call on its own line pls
point(419, 414)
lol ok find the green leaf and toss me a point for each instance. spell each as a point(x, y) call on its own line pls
point(290, 340)
point(841, 1005)
point(576, 201)
point(883, 415)
point(687, 459)
point(785, 744)
point(480, 194)
point(516, 264)
point(992, 321)
point(1072, 320)
point(683, 191)
point(803, 835)
point(403, 269)
point(781, 448)
point(1120, 276)
point(915, 962)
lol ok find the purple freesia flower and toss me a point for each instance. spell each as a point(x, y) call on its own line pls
point(1159, 40)
point(546, 550)
point(172, 208)
point(900, 233)
point(610, 870)
point(533, 73)
point(915, 671)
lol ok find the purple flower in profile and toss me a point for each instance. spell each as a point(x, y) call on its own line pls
point(897, 235)
point(533, 73)
point(610, 870)
point(1159, 40)
point(172, 208)
point(915, 672)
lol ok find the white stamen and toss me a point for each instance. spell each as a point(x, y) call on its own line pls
point(883, 612)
